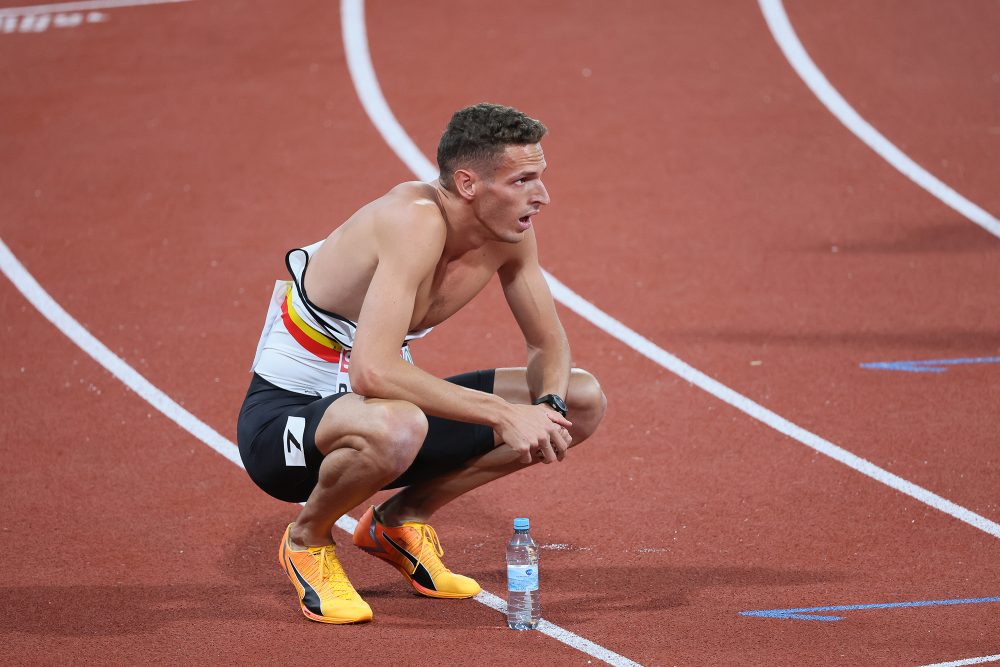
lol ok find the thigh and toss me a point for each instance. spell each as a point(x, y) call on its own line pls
point(511, 384)
point(450, 443)
point(276, 433)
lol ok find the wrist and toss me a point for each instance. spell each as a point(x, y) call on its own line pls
point(498, 412)
point(554, 402)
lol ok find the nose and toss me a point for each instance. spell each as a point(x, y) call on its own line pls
point(541, 194)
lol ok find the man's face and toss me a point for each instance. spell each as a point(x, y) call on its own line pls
point(515, 194)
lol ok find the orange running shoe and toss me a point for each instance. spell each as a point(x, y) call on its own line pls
point(325, 594)
point(414, 550)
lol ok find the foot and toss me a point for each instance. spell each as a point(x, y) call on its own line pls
point(415, 551)
point(325, 594)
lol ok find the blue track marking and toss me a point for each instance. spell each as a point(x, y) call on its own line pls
point(808, 613)
point(931, 366)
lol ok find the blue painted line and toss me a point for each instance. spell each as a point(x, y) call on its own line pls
point(807, 613)
point(931, 366)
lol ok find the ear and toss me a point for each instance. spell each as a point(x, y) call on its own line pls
point(466, 183)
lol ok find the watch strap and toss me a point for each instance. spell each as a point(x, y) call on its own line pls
point(555, 401)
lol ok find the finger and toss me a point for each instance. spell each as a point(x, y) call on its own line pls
point(524, 452)
point(558, 418)
point(558, 439)
point(561, 443)
point(567, 440)
point(542, 451)
point(549, 453)
point(561, 436)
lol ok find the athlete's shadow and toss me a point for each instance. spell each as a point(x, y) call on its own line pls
point(574, 594)
point(245, 583)
point(570, 592)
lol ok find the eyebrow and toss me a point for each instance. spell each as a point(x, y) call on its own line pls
point(530, 172)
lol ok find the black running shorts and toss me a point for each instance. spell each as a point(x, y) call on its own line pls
point(276, 433)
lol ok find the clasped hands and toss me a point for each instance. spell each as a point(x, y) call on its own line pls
point(536, 432)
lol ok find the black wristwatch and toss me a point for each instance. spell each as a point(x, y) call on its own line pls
point(554, 401)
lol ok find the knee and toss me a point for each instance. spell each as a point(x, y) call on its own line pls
point(396, 432)
point(586, 403)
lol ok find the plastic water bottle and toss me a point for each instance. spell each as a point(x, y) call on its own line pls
point(524, 606)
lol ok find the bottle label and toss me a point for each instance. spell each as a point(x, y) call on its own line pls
point(522, 578)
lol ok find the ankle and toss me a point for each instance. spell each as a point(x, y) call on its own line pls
point(307, 536)
point(391, 515)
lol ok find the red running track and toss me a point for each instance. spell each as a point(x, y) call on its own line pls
point(158, 163)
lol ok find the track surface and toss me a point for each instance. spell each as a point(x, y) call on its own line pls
point(158, 163)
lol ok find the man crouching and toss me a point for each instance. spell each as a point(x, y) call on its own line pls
point(336, 410)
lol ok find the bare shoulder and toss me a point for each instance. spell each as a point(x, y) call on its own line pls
point(409, 211)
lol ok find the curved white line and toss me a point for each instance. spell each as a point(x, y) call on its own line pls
point(352, 15)
point(131, 378)
point(788, 41)
point(115, 365)
point(359, 63)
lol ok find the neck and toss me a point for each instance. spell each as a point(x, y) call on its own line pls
point(465, 230)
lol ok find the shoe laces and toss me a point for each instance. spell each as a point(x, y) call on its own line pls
point(332, 572)
point(433, 560)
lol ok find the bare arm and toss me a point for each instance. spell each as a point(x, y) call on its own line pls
point(409, 243)
point(531, 302)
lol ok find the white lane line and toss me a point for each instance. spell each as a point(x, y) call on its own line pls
point(359, 63)
point(561, 634)
point(64, 322)
point(655, 353)
point(363, 74)
point(967, 661)
point(795, 53)
point(62, 7)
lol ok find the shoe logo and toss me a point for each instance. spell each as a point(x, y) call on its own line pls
point(420, 573)
point(292, 440)
point(310, 598)
point(406, 554)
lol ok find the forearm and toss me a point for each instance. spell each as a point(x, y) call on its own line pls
point(399, 380)
point(549, 367)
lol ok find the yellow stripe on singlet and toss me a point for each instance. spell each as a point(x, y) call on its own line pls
point(317, 336)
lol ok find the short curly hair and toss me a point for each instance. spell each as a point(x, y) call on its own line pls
point(477, 135)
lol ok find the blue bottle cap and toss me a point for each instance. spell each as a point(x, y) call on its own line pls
point(521, 523)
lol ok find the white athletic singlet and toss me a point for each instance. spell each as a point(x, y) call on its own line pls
point(304, 348)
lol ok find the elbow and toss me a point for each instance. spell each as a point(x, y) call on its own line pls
point(364, 381)
point(367, 379)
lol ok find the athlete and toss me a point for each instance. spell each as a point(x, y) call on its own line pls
point(336, 410)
